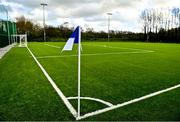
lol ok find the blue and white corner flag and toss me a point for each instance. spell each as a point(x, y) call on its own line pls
point(74, 38)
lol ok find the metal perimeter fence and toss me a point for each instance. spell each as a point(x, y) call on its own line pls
point(7, 27)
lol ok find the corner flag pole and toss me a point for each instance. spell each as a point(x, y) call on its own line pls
point(76, 38)
point(79, 73)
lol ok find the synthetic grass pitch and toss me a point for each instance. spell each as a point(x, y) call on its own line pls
point(113, 72)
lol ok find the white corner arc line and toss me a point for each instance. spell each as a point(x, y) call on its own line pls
point(96, 54)
point(92, 99)
point(128, 102)
point(53, 46)
point(59, 92)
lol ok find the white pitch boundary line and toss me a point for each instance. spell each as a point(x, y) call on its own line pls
point(95, 54)
point(92, 99)
point(53, 46)
point(5, 50)
point(59, 92)
point(117, 47)
point(128, 102)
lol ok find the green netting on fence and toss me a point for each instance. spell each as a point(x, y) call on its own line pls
point(7, 27)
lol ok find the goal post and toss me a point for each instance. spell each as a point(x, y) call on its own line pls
point(21, 39)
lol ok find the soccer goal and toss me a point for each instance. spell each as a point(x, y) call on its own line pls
point(21, 39)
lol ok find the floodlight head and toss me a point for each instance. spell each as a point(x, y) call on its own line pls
point(44, 4)
point(109, 13)
point(66, 23)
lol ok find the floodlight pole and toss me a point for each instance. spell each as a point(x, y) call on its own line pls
point(44, 19)
point(109, 19)
point(65, 24)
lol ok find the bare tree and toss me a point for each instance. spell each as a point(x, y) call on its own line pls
point(163, 19)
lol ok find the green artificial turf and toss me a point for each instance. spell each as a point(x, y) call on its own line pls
point(26, 94)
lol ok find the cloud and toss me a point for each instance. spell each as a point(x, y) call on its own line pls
point(88, 12)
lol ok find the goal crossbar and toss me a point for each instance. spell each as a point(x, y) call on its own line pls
point(21, 38)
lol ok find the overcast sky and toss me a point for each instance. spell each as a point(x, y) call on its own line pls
point(88, 13)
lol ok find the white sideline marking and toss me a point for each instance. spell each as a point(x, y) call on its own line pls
point(5, 50)
point(59, 92)
point(118, 47)
point(53, 46)
point(128, 102)
point(92, 99)
point(95, 54)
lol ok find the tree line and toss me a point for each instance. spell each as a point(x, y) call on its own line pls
point(61, 33)
point(161, 25)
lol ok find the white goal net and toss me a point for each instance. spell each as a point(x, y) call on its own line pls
point(21, 39)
